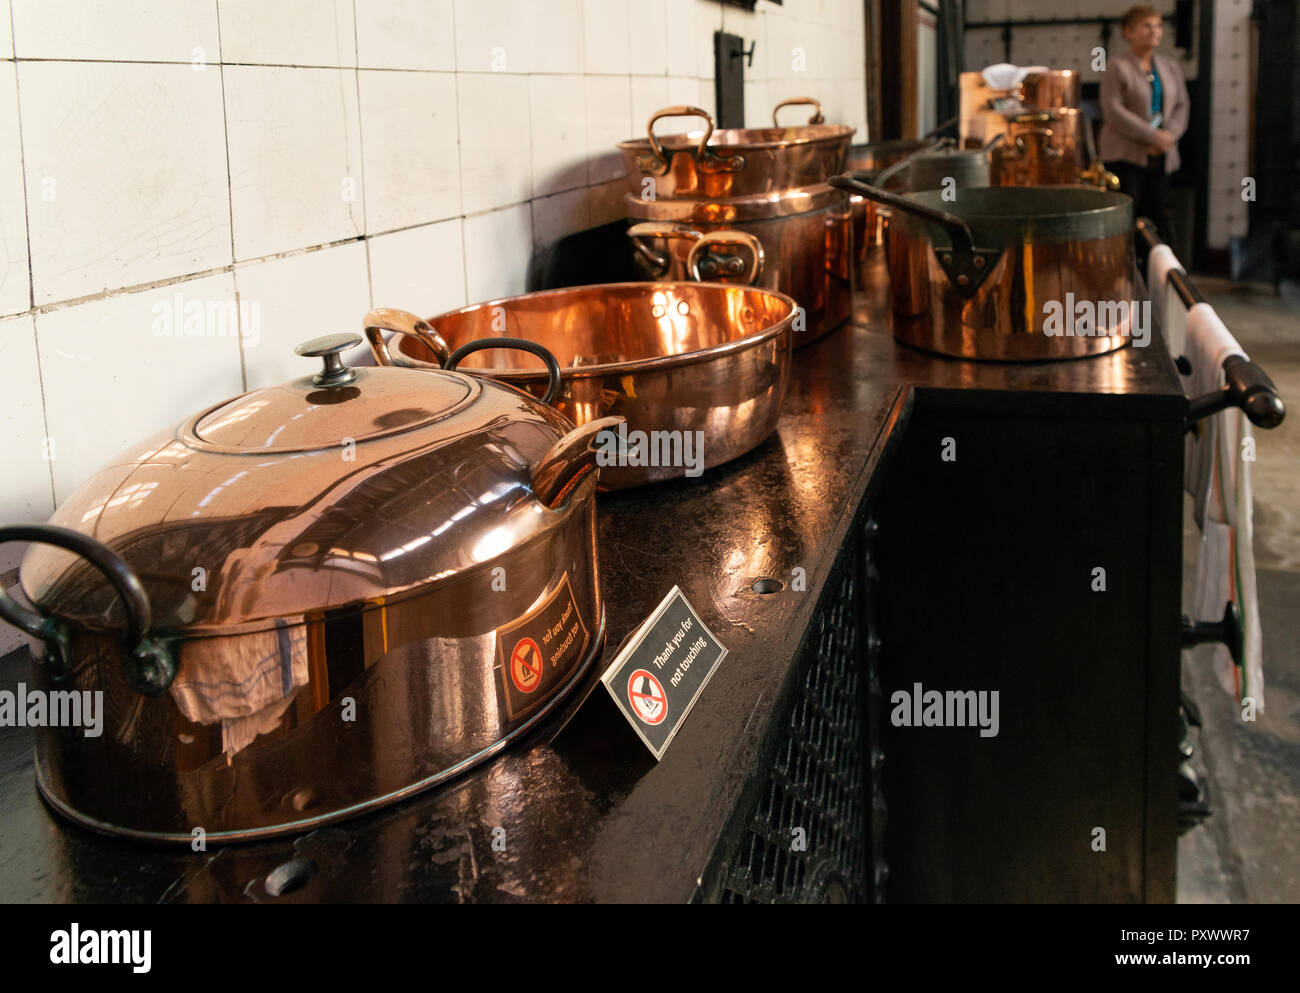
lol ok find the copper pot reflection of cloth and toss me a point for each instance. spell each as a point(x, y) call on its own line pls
point(971, 278)
point(668, 357)
point(360, 561)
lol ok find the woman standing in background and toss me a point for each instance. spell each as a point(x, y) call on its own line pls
point(1144, 108)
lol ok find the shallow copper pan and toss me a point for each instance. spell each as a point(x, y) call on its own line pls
point(703, 365)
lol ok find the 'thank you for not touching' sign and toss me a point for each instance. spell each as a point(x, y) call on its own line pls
point(658, 676)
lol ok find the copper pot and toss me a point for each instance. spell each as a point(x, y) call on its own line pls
point(702, 366)
point(734, 162)
point(313, 600)
point(1051, 89)
point(981, 277)
point(798, 242)
point(1042, 148)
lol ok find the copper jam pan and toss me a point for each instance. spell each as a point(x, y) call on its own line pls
point(721, 164)
point(701, 368)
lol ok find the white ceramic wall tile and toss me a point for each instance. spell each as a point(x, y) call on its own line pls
point(295, 158)
point(288, 32)
point(126, 30)
point(421, 270)
point(758, 105)
point(495, 164)
point(409, 148)
point(15, 272)
point(556, 33)
point(25, 493)
point(708, 19)
point(126, 174)
point(112, 354)
point(405, 34)
point(605, 202)
point(648, 37)
point(6, 38)
point(560, 215)
point(292, 299)
point(609, 121)
point(606, 41)
point(494, 35)
point(558, 114)
point(498, 247)
point(649, 94)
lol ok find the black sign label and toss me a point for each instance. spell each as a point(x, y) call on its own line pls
point(536, 652)
point(661, 672)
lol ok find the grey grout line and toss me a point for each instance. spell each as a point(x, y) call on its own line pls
point(230, 205)
point(31, 281)
point(361, 147)
point(460, 166)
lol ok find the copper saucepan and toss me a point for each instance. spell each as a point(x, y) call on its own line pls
point(701, 368)
point(982, 277)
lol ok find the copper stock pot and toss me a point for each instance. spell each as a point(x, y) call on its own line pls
point(313, 599)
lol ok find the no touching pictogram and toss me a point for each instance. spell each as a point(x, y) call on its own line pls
point(647, 696)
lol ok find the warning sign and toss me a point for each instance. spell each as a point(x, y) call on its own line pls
point(536, 653)
point(649, 702)
point(658, 676)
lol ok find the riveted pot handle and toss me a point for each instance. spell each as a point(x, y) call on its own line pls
point(966, 266)
point(404, 322)
point(657, 160)
point(817, 117)
point(730, 237)
point(150, 667)
point(570, 458)
point(524, 345)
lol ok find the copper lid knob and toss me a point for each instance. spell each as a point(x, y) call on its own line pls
point(328, 348)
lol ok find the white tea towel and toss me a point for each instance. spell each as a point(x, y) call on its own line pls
point(1168, 307)
point(1218, 477)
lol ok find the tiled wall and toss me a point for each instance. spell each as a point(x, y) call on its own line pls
point(168, 164)
point(1064, 46)
point(1229, 214)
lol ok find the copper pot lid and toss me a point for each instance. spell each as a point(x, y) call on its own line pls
point(349, 487)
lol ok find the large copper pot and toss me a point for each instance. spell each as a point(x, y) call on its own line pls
point(735, 162)
point(312, 600)
point(685, 363)
point(798, 242)
point(1000, 273)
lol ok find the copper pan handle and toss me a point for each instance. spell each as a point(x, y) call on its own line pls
point(657, 261)
point(657, 161)
point(404, 322)
point(965, 265)
point(522, 344)
point(569, 459)
point(817, 117)
point(729, 237)
point(150, 666)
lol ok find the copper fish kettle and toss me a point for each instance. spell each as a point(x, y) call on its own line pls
point(313, 599)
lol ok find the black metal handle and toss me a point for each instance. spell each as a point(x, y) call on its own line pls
point(965, 265)
point(150, 667)
point(1248, 387)
point(541, 351)
point(1229, 631)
